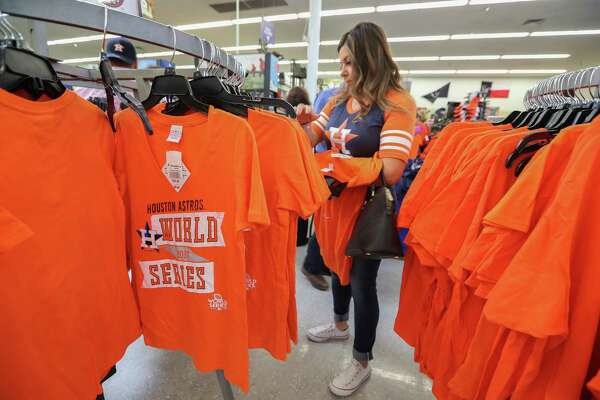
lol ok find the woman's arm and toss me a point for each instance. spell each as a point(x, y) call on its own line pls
point(392, 170)
point(305, 116)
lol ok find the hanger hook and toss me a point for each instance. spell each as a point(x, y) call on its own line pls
point(591, 83)
point(105, 28)
point(201, 58)
point(174, 46)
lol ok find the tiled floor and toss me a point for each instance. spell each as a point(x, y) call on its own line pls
point(146, 373)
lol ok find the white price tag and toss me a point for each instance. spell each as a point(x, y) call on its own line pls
point(175, 134)
point(175, 170)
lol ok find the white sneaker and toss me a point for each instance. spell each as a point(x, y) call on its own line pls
point(327, 332)
point(350, 379)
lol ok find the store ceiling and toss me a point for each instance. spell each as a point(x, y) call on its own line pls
point(555, 15)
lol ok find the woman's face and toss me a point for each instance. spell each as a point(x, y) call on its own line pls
point(346, 66)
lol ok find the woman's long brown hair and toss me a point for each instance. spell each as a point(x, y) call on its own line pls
point(374, 69)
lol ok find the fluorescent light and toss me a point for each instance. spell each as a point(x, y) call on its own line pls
point(284, 62)
point(422, 6)
point(158, 54)
point(329, 61)
point(330, 73)
point(348, 11)
point(304, 14)
point(469, 58)
point(330, 42)
point(568, 33)
point(79, 39)
point(431, 71)
point(189, 66)
point(205, 25)
point(482, 71)
point(242, 48)
point(281, 17)
point(504, 35)
point(534, 56)
point(537, 71)
point(244, 21)
point(80, 60)
point(288, 45)
point(418, 38)
point(425, 58)
point(481, 2)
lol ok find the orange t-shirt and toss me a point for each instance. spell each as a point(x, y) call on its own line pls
point(12, 231)
point(68, 309)
point(289, 193)
point(334, 221)
point(189, 200)
point(542, 314)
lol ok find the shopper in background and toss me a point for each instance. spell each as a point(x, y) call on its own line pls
point(122, 55)
point(373, 116)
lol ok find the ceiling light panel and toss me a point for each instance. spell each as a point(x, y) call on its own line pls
point(482, 71)
point(567, 33)
point(422, 6)
point(288, 45)
point(486, 2)
point(418, 58)
point(281, 17)
point(431, 71)
point(404, 39)
point(348, 11)
point(534, 56)
point(504, 35)
point(537, 71)
point(469, 58)
point(205, 25)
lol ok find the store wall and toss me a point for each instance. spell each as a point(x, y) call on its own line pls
point(459, 87)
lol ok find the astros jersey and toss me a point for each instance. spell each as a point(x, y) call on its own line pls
point(67, 306)
point(191, 189)
point(378, 134)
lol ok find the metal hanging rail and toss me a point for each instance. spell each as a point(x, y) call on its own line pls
point(90, 16)
point(575, 87)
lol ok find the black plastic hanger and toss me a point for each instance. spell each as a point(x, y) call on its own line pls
point(173, 85)
point(521, 166)
point(23, 69)
point(523, 144)
point(510, 118)
point(169, 85)
point(112, 87)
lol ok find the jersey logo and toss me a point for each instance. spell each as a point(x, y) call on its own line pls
point(340, 137)
point(149, 238)
point(250, 282)
point(217, 303)
point(193, 277)
point(197, 229)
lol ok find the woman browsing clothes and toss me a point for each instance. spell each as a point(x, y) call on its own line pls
point(368, 127)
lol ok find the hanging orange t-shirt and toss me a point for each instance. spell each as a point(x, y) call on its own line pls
point(594, 386)
point(68, 309)
point(546, 297)
point(191, 190)
point(289, 194)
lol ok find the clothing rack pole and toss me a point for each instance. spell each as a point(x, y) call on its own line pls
point(224, 385)
point(90, 16)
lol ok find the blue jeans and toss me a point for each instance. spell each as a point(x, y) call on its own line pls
point(363, 289)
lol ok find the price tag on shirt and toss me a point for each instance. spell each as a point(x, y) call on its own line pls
point(175, 134)
point(175, 170)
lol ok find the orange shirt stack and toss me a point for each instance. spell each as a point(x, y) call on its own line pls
point(498, 277)
point(68, 308)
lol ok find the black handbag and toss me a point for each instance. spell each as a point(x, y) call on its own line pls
point(375, 235)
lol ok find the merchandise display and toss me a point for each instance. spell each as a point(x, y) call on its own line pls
point(491, 310)
point(172, 227)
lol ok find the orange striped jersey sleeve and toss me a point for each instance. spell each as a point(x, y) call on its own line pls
point(319, 126)
point(398, 127)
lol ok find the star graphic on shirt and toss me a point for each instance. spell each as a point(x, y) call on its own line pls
point(118, 47)
point(149, 238)
point(340, 137)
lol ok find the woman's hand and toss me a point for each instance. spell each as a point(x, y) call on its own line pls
point(304, 114)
